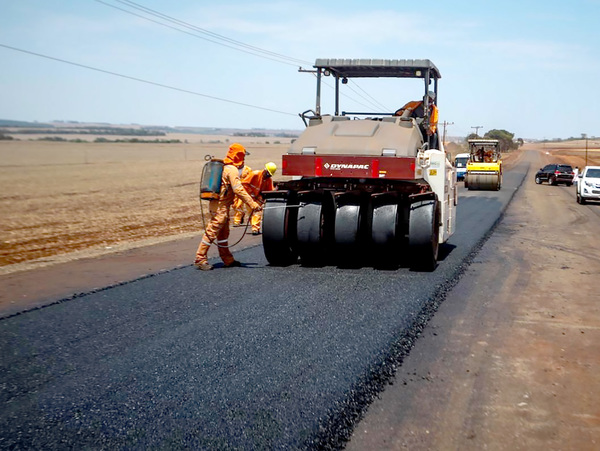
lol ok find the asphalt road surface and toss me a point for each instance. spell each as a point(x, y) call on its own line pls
point(253, 357)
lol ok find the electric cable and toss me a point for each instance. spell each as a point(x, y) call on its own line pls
point(252, 50)
point(236, 45)
point(146, 81)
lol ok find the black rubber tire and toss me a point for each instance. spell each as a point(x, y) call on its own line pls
point(314, 227)
point(348, 226)
point(423, 235)
point(385, 233)
point(538, 180)
point(279, 230)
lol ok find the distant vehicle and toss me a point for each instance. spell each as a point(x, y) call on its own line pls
point(554, 174)
point(484, 168)
point(588, 185)
point(460, 163)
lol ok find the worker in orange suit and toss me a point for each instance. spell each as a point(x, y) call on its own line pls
point(415, 108)
point(218, 227)
point(241, 209)
point(256, 183)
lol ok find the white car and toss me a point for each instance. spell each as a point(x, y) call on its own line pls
point(588, 184)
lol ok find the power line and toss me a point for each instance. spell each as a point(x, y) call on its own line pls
point(246, 48)
point(235, 45)
point(373, 100)
point(145, 81)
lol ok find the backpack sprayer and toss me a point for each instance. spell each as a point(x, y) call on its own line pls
point(210, 188)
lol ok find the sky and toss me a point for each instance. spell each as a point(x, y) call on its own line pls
point(530, 67)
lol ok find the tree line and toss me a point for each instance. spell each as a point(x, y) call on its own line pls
point(505, 139)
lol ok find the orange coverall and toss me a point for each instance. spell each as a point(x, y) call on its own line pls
point(413, 105)
point(255, 183)
point(218, 227)
point(241, 209)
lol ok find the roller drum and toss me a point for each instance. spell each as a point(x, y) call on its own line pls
point(490, 182)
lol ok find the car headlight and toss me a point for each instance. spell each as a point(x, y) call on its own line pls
point(588, 183)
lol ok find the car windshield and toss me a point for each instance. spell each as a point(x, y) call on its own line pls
point(564, 168)
point(461, 162)
point(593, 173)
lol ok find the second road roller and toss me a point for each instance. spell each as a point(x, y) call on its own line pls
point(484, 168)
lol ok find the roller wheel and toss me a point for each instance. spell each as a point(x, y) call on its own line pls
point(423, 235)
point(348, 229)
point(279, 229)
point(314, 227)
point(385, 231)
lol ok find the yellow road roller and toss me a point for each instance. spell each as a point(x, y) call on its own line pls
point(484, 168)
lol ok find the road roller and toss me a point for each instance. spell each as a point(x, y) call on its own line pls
point(484, 168)
point(364, 188)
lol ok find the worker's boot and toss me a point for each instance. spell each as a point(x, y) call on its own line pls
point(201, 261)
point(203, 266)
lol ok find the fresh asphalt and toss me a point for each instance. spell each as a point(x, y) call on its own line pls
point(243, 358)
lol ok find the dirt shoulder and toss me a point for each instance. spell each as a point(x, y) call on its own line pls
point(512, 357)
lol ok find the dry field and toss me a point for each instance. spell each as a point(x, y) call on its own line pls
point(80, 199)
point(59, 198)
point(573, 152)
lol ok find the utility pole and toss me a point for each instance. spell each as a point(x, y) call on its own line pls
point(444, 124)
point(477, 127)
point(584, 136)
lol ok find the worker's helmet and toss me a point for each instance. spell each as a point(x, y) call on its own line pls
point(270, 166)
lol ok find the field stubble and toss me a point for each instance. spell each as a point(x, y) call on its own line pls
point(60, 198)
point(81, 199)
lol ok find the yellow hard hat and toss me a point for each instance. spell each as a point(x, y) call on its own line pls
point(270, 166)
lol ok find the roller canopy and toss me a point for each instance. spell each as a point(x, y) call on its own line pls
point(357, 68)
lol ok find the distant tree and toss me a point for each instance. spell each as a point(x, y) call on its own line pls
point(505, 138)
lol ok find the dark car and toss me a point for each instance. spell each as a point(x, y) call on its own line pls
point(555, 174)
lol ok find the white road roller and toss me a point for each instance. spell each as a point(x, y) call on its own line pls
point(367, 188)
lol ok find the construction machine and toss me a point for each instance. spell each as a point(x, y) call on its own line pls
point(366, 188)
point(484, 168)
